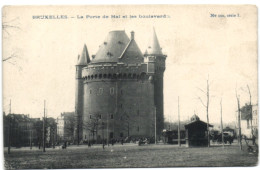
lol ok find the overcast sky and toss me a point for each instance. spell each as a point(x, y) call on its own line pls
point(196, 45)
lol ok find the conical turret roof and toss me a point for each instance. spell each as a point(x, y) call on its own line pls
point(112, 48)
point(84, 58)
point(154, 46)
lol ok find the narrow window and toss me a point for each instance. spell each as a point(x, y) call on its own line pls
point(89, 116)
point(100, 91)
point(111, 116)
point(137, 128)
point(121, 105)
point(90, 91)
point(112, 90)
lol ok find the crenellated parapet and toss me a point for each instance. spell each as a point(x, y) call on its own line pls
point(115, 71)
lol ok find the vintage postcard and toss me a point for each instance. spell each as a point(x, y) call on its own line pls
point(130, 86)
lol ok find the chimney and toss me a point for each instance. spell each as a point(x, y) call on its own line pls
point(132, 35)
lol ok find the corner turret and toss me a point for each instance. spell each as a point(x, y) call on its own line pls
point(154, 46)
point(155, 60)
point(84, 59)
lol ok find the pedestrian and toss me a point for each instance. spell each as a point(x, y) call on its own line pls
point(253, 139)
point(103, 143)
point(122, 141)
point(89, 144)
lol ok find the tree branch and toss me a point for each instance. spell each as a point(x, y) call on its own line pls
point(202, 102)
point(201, 90)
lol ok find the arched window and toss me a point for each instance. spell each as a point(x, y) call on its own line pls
point(100, 76)
point(105, 75)
point(95, 76)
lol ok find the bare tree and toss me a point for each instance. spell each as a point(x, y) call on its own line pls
point(239, 122)
point(251, 109)
point(221, 122)
point(93, 124)
point(8, 27)
point(206, 106)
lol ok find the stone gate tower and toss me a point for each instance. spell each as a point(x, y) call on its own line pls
point(119, 93)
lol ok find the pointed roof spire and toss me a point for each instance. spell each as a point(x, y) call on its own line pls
point(154, 46)
point(84, 58)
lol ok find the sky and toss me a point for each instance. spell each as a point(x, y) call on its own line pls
point(198, 47)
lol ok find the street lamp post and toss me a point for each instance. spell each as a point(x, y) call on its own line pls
point(155, 138)
point(107, 132)
point(10, 130)
point(103, 124)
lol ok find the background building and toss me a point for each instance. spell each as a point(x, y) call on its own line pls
point(249, 120)
point(26, 131)
point(120, 91)
point(65, 126)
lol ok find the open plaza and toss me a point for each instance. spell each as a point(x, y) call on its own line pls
point(129, 155)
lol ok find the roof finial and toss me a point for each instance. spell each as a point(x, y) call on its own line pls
point(132, 35)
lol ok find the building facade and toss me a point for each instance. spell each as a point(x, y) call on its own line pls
point(119, 93)
point(22, 131)
point(249, 120)
point(65, 126)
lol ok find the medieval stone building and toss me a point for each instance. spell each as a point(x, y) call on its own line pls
point(120, 91)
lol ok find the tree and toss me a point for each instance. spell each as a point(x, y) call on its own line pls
point(93, 124)
point(221, 122)
point(206, 106)
point(8, 26)
point(126, 123)
point(69, 125)
point(251, 110)
point(239, 122)
point(39, 131)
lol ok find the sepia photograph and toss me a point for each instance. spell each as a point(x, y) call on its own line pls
point(129, 86)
